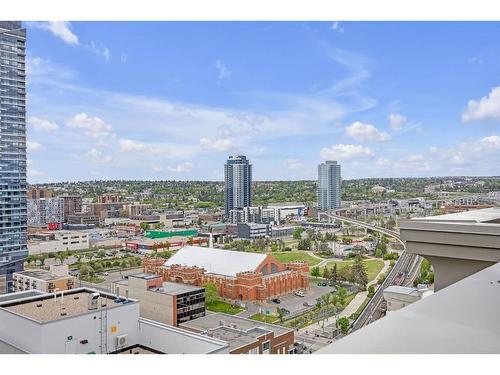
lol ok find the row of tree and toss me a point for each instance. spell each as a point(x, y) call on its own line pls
point(356, 274)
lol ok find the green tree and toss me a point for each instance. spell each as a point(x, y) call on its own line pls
point(343, 323)
point(371, 291)
point(211, 294)
point(101, 254)
point(297, 233)
point(326, 273)
point(280, 313)
point(315, 271)
point(342, 295)
point(97, 267)
point(144, 226)
point(359, 272)
point(334, 276)
point(345, 273)
point(86, 270)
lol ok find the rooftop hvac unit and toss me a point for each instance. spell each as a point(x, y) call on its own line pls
point(92, 302)
point(121, 340)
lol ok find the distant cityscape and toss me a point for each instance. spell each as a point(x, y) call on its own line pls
point(239, 266)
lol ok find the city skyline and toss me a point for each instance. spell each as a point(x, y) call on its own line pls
point(289, 95)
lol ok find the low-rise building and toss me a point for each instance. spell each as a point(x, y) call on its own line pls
point(165, 302)
point(253, 230)
point(238, 275)
point(84, 321)
point(57, 278)
point(55, 241)
point(244, 336)
point(398, 297)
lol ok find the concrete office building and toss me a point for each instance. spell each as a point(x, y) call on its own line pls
point(237, 184)
point(61, 240)
point(13, 218)
point(253, 230)
point(244, 336)
point(329, 184)
point(84, 321)
point(165, 302)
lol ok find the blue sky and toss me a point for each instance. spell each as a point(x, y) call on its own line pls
point(171, 100)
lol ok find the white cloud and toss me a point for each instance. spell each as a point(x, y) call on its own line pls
point(397, 121)
point(98, 156)
point(488, 107)
point(222, 70)
point(366, 133)
point(61, 29)
point(180, 168)
point(345, 152)
point(99, 50)
point(123, 58)
point(93, 126)
point(220, 143)
point(32, 145)
point(383, 162)
point(336, 26)
point(42, 125)
point(128, 145)
point(293, 164)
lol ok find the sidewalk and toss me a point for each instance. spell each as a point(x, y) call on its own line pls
point(352, 307)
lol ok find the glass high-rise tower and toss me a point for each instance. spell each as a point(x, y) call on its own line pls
point(13, 221)
point(237, 183)
point(329, 182)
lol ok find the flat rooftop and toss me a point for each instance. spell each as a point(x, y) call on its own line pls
point(41, 275)
point(178, 288)
point(46, 308)
point(461, 318)
point(486, 215)
point(235, 330)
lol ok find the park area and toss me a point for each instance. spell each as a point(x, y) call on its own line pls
point(373, 266)
point(223, 307)
point(296, 256)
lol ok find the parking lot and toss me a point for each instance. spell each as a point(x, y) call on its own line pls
point(292, 302)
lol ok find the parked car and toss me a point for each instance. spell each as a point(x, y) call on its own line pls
point(307, 304)
point(285, 311)
point(276, 300)
point(299, 293)
point(322, 284)
point(106, 273)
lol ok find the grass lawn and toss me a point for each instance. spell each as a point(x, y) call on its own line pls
point(223, 307)
point(92, 279)
point(373, 266)
point(293, 256)
point(264, 318)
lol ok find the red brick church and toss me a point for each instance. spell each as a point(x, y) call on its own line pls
point(238, 275)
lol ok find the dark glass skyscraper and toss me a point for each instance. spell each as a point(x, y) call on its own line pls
point(237, 183)
point(13, 226)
